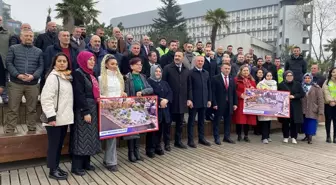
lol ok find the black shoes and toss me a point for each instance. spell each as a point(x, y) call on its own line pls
point(328, 140)
point(229, 140)
point(57, 174)
point(167, 148)
point(113, 168)
point(218, 142)
point(204, 142)
point(131, 157)
point(239, 139)
point(192, 145)
point(246, 139)
point(159, 152)
point(78, 172)
point(90, 168)
point(150, 154)
point(180, 145)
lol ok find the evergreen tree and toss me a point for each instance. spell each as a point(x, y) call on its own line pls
point(170, 23)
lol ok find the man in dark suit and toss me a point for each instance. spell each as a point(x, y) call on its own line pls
point(224, 101)
point(210, 65)
point(176, 74)
point(199, 98)
point(146, 48)
point(168, 58)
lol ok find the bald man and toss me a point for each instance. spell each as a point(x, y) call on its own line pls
point(99, 53)
point(48, 38)
point(121, 43)
point(146, 48)
point(15, 39)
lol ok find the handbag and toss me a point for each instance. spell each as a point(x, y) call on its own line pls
point(43, 116)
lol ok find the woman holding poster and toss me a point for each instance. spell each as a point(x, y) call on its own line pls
point(243, 81)
point(291, 125)
point(267, 84)
point(135, 85)
point(111, 84)
point(312, 105)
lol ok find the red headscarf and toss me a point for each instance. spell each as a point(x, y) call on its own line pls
point(82, 60)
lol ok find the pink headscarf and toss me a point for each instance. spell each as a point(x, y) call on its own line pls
point(82, 60)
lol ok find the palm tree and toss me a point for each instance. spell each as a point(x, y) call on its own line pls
point(331, 47)
point(77, 12)
point(217, 18)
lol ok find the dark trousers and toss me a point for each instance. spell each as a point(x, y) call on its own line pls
point(227, 124)
point(209, 112)
point(153, 139)
point(240, 127)
point(56, 137)
point(330, 114)
point(258, 128)
point(265, 129)
point(191, 121)
point(288, 127)
point(80, 162)
point(178, 126)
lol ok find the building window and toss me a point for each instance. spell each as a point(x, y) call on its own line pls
point(280, 34)
point(270, 34)
point(259, 34)
point(248, 23)
point(254, 34)
point(264, 22)
point(287, 41)
point(243, 24)
point(281, 22)
point(253, 12)
point(259, 23)
point(305, 40)
point(264, 10)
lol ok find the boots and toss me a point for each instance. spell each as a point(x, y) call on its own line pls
point(310, 139)
point(136, 150)
point(305, 138)
point(130, 145)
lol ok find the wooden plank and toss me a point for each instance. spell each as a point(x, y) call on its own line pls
point(71, 180)
point(14, 177)
point(109, 177)
point(42, 176)
point(5, 178)
point(79, 179)
point(52, 181)
point(32, 176)
point(23, 177)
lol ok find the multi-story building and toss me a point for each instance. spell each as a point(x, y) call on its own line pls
point(266, 20)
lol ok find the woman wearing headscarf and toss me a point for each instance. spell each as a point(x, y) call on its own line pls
point(135, 85)
point(165, 96)
point(84, 133)
point(111, 83)
point(291, 125)
point(329, 91)
point(243, 81)
point(312, 106)
point(57, 105)
point(265, 122)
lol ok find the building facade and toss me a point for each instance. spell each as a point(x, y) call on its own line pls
point(266, 20)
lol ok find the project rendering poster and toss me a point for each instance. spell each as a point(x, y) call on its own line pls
point(267, 103)
point(125, 116)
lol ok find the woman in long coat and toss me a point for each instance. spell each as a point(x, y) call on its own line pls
point(84, 133)
point(291, 125)
point(165, 96)
point(135, 85)
point(243, 81)
point(312, 105)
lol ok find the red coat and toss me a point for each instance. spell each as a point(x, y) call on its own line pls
point(238, 116)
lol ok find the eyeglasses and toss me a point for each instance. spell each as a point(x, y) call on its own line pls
point(289, 75)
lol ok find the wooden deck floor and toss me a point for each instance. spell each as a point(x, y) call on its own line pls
point(242, 164)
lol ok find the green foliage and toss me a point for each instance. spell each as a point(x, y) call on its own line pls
point(77, 12)
point(331, 47)
point(286, 52)
point(217, 18)
point(170, 23)
point(324, 66)
point(120, 26)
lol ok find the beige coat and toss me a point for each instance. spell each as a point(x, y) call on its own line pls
point(313, 103)
point(327, 96)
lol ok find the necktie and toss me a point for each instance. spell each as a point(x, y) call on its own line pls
point(147, 48)
point(225, 82)
point(78, 41)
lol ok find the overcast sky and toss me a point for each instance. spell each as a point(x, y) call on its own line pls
point(35, 11)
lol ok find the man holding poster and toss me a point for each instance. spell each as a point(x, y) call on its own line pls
point(224, 101)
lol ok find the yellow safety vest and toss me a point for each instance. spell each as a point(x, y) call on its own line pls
point(332, 88)
point(280, 75)
point(161, 52)
point(197, 53)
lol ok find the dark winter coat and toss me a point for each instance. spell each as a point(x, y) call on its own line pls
point(255, 69)
point(163, 91)
point(116, 54)
point(199, 88)
point(53, 50)
point(75, 45)
point(46, 39)
point(211, 66)
point(99, 57)
point(296, 90)
point(319, 79)
point(271, 68)
point(235, 69)
point(15, 39)
point(2, 74)
point(125, 66)
point(298, 66)
point(220, 95)
point(151, 48)
point(167, 59)
point(22, 59)
point(84, 136)
point(178, 83)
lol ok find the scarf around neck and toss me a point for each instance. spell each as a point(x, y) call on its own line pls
point(152, 73)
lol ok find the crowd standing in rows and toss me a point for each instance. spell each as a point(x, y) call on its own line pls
point(74, 70)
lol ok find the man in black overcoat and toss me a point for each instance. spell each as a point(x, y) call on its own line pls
point(168, 58)
point(224, 102)
point(176, 74)
point(199, 98)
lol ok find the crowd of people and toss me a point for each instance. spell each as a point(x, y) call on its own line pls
point(73, 70)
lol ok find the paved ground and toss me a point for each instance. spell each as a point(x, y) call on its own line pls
point(242, 164)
